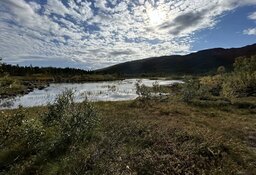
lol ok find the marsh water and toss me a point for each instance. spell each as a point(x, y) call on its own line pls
point(97, 91)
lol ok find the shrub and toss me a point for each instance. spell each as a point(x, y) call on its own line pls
point(29, 142)
point(213, 83)
point(10, 127)
point(156, 87)
point(221, 70)
point(143, 91)
point(189, 90)
point(192, 89)
point(245, 64)
point(75, 121)
point(241, 82)
point(21, 139)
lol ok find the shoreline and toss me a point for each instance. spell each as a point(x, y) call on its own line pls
point(28, 86)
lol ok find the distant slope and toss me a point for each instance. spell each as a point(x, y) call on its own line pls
point(195, 63)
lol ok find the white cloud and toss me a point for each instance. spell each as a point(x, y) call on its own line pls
point(250, 31)
point(252, 16)
point(113, 32)
point(56, 6)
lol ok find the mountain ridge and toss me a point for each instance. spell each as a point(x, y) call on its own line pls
point(200, 62)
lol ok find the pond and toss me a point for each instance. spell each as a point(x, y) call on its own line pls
point(98, 91)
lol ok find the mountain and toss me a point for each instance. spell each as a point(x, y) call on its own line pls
point(201, 62)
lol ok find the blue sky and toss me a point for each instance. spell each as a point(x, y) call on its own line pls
point(92, 34)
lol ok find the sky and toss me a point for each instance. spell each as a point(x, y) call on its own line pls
point(92, 34)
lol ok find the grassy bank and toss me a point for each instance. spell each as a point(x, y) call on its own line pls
point(11, 86)
point(169, 137)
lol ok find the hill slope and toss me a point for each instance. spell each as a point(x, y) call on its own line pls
point(195, 63)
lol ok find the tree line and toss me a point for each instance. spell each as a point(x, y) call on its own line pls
point(16, 70)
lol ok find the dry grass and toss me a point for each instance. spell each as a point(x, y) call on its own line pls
point(227, 134)
point(162, 138)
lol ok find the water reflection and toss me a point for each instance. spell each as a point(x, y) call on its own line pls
point(98, 91)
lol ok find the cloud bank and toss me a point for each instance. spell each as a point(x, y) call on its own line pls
point(99, 33)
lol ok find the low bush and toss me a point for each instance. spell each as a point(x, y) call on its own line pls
point(28, 142)
point(239, 85)
point(10, 127)
point(213, 83)
point(192, 89)
point(143, 91)
point(75, 121)
point(241, 82)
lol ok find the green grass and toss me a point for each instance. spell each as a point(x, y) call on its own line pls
point(160, 138)
point(10, 86)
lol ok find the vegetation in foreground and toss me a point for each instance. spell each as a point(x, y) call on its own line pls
point(125, 138)
point(195, 129)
